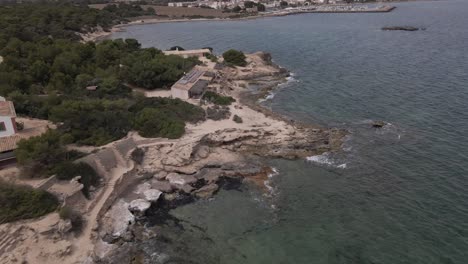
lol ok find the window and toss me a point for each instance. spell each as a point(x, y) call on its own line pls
point(2, 126)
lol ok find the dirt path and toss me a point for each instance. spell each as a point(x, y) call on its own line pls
point(84, 244)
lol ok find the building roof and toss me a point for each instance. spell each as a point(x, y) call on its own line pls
point(92, 88)
point(188, 80)
point(186, 52)
point(199, 86)
point(209, 74)
point(7, 109)
point(10, 142)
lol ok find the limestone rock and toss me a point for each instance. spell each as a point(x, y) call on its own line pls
point(160, 175)
point(163, 186)
point(64, 226)
point(378, 124)
point(207, 191)
point(139, 206)
point(179, 179)
point(403, 28)
point(152, 195)
point(203, 152)
point(186, 188)
point(118, 219)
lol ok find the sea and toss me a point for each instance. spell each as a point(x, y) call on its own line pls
point(394, 195)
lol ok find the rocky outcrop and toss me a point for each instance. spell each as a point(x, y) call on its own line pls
point(378, 124)
point(267, 144)
point(139, 206)
point(206, 191)
point(403, 28)
point(178, 180)
point(152, 195)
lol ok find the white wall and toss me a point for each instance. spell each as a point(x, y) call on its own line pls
point(179, 93)
point(10, 130)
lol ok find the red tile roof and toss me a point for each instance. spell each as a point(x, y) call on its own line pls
point(7, 109)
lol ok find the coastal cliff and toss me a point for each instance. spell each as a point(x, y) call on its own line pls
point(211, 154)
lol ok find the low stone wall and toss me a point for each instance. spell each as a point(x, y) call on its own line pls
point(126, 180)
point(46, 184)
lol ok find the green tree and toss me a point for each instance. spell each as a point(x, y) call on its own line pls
point(23, 202)
point(235, 57)
point(154, 123)
point(261, 7)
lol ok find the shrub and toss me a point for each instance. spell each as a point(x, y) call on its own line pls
point(217, 113)
point(19, 126)
point(37, 156)
point(138, 155)
point(237, 119)
point(211, 57)
point(235, 57)
point(23, 202)
point(75, 218)
point(65, 212)
point(176, 48)
point(217, 99)
point(69, 170)
point(173, 108)
point(151, 122)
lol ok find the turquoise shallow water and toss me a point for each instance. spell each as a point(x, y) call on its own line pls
point(396, 195)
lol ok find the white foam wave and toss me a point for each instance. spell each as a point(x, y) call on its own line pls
point(342, 166)
point(267, 183)
point(325, 159)
point(271, 94)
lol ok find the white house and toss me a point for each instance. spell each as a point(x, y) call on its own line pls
point(7, 118)
point(188, 53)
point(192, 85)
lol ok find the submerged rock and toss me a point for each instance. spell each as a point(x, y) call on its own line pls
point(378, 124)
point(207, 191)
point(403, 28)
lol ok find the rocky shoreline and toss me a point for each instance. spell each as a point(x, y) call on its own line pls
point(213, 155)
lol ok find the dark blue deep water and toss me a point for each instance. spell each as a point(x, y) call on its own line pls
point(394, 195)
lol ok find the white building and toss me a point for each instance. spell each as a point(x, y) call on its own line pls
point(188, 53)
point(192, 85)
point(7, 118)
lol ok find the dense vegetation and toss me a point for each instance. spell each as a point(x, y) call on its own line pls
point(58, 67)
point(217, 99)
point(84, 88)
point(250, 4)
point(23, 202)
point(88, 176)
point(39, 156)
point(235, 58)
point(30, 22)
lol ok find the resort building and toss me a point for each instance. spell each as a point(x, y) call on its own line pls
point(192, 85)
point(188, 53)
point(10, 135)
point(7, 118)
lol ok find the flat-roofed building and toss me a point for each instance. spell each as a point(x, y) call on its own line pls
point(188, 53)
point(192, 84)
point(7, 118)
